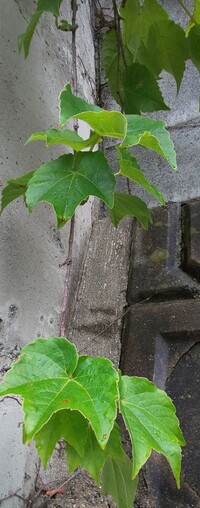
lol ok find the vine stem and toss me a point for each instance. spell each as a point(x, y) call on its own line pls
point(186, 10)
point(121, 316)
point(68, 261)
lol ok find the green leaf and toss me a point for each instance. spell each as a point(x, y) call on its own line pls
point(104, 123)
point(194, 45)
point(141, 90)
point(68, 180)
point(73, 458)
point(130, 13)
point(167, 49)
point(151, 134)
point(94, 457)
point(116, 481)
point(24, 40)
point(195, 17)
point(67, 424)
point(14, 189)
point(125, 205)
point(65, 137)
point(48, 378)
point(65, 25)
point(71, 105)
point(138, 19)
point(149, 416)
point(130, 169)
point(52, 6)
point(113, 65)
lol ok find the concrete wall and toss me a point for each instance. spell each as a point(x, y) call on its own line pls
point(31, 247)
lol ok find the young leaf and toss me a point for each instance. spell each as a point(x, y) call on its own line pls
point(141, 90)
point(71, 105)
point(47, 378)
point(125, 205)
point(65, 137)
point(104, 123)
point(24, 40)
point(14, 189)
point(65, 25)
point(194, 45)
point(151, 134)
point(130, 169)
point(167, 48)
point(68, 424)
point(93, 458)
point(116, 481)
point(68, 180)
point(149, 416)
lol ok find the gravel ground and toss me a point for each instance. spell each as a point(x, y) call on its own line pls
point(80, 492)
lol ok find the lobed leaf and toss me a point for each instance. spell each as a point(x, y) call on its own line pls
point(167, 49)
point(65, 137)
point(130, 169)
point(71, 105)
point(104, 123)
point(141, 91)
point(94, 458)
point(14, 189)
point(117, 481)
point(195, 17)
point(68, 180)
point(149, 416)
point(151, 134)
point(113, 65)
point(138, 20)
point(65, 423)
point(52, 6)
point(194, 45)
point(24, 40)
point(50, 377)
point(126, 205)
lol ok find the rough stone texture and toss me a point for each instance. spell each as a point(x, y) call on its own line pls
point(161, 340)
point(101, 300)
point(31, 247)
point(102, 293)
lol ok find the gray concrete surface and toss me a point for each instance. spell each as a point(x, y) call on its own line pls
point(31, 248)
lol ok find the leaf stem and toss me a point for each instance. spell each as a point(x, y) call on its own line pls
point(186, 10)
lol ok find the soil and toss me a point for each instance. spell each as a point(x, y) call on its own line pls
point(80, 492)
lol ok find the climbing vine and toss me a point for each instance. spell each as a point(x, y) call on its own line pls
point(77, 397)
